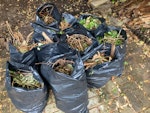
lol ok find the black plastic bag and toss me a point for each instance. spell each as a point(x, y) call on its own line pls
point(45, 52)
point(101, 74)
point(68, 18)
point(101, 27)
point(28, 58)
point(29, 101)
point(70, 91)
point(53, 11)
point(78, 29)
point(37, 35)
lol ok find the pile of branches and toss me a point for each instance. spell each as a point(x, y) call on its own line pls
point(24, 44)
point(79, 42)
point(45, 15)
point(63, 66)
point(19, 41)
point(97, 59)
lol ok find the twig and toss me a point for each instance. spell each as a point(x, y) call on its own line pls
point(9, 29)
point(20, 38)
point(119, 33)
point(28, 37)
point(24, 70)
point(112, 52)
point(46, 63)
point(46, 37)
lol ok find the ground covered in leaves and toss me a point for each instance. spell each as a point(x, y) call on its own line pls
point(128, 94)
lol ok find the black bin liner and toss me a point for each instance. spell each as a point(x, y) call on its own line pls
point(101, 74)
point(70, 91)
point(37, 35)
point(47, 51)
point(28, 58)
point(69, 18)
point(100, 29)
point(54, 13)
point(29, 101)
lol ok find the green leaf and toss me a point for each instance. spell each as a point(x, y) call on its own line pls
point(118, 42)
point(126, 63)
point(82, 21)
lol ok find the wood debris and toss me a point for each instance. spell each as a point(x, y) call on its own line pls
point(46, 15)
point(64, 25)
point(97, 59)
point(136, 11)
point(63, 66)
point(21, 43)
point(79, 42)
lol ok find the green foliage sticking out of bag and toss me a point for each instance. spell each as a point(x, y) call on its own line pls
point(90, 23)
point(112, 37)
point(24, 80)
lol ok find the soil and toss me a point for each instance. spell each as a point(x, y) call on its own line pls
point(20, 13)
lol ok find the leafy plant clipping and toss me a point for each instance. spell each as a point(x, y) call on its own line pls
point(90, 23)
point(24, 80)
point(63, 66)
point(112, 37)
point(79, 42)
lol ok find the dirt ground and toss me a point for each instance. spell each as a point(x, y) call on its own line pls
point(135, 81)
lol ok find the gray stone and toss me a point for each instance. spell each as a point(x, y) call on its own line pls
point(97, 3)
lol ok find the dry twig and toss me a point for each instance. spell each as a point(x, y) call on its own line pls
point(47, 37)
point(64, 25)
